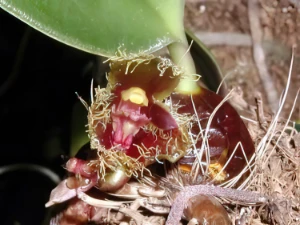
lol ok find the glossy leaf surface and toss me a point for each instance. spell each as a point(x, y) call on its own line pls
point(225, 132)
point(206, 64)
point(104, 26)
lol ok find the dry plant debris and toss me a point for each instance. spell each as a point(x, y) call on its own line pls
point(225, 27)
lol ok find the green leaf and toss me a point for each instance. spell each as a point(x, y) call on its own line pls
point(104, 26)
point(79, 136)
point(297, 126)
point(206, 64)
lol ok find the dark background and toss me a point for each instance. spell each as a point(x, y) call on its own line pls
point(38, 80)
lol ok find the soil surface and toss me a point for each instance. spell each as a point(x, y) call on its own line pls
point(225, 27)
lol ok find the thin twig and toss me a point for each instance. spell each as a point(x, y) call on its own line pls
point(224, 38)
point(259, 56)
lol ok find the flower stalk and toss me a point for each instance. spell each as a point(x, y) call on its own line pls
point(180, 54)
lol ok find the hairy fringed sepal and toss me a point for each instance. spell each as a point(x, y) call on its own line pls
point(140, 119)
point(132, 121)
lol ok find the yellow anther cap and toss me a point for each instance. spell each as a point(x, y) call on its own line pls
point(135, 95)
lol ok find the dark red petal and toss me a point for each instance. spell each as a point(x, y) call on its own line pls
point(157, 147)
point(162, 118)
point(226, 120)
point(217, 141)
point(82, 167)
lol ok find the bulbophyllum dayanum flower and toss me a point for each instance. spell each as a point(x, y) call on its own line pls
point(131, 122)
point(140, 118)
